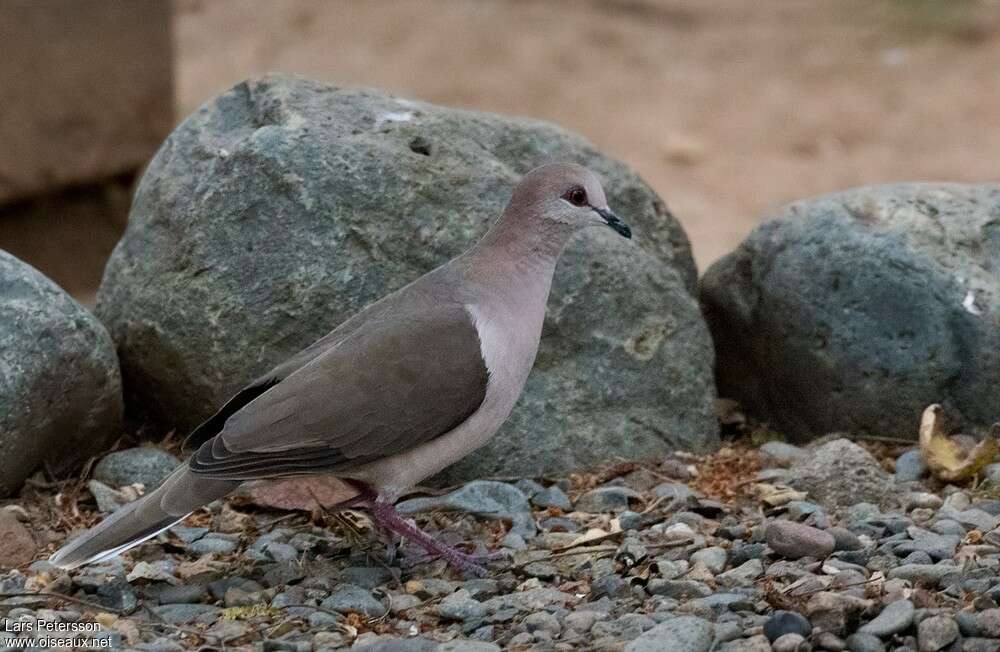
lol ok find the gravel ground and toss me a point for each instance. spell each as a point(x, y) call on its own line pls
point(688, 555)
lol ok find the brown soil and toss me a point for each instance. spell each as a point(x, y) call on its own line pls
point(728, 108)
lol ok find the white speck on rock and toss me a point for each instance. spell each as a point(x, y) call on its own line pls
point(969, 303)
point(393, 116)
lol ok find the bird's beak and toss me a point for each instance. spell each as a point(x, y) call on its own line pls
point(614, 222)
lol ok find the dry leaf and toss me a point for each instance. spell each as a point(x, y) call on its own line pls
point(946, 459)
point(146, 571)
point(302, 493)
point(775, 495)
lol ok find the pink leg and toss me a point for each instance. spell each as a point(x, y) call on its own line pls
point(384, 515)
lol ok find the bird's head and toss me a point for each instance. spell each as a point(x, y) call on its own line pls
point(567, 195)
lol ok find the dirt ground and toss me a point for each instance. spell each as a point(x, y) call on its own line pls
point(728, 108)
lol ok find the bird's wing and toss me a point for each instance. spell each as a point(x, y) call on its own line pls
point(391, 385)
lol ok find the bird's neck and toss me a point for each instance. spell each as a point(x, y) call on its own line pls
point(516, 255)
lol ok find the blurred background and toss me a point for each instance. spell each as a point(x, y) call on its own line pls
point(728, 108)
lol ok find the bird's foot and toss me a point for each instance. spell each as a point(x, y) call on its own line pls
point(385, 515)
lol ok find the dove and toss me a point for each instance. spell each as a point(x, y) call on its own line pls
point(409, 385)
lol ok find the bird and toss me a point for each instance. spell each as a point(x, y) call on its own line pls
point(407, 386)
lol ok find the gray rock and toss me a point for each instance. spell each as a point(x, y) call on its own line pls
point(213, 542)
point(938, 546)
point(895, 617)
point(846, 299)
point(60, 389)
point(542, 621)
point(840, 474)
point(484, 499)
point(927, 575)
point(367, 577)
point(460, 606)
point(753, 644)
point(910, 466)
point(786, 622)
point(606, 499)
point(794, 540)
point(988, 621)
point(713, 558)
point(781, 454)
point(936, 632)
point(107, 499)
point(680, 634)
point(861, 642)
point(552, 497)
point(144, 464)
point(292, 204)
point(179, 614)
point(467, 646)
point(743, 575)
point(844, 539)
point(791, 643)
point(349, 597)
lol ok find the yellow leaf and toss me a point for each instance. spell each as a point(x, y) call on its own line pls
point(945, 459)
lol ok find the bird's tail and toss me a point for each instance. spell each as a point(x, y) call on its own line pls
point(179, 495)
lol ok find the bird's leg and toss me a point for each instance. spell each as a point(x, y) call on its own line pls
point(385, 515)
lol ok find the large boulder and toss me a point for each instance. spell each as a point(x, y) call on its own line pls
point(283, 206)
point(853, 312)
point(60, 389)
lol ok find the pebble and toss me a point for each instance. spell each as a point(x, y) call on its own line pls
point(350, 598)
point(460, 605)
point(552, 497)
point(606, 499)
point(680, 634)
point(145, 465)
point(895, 617)
point(791, 643)
point(936, 633)
point(779, 453)
point(795, 540)
point(713, 558)
point(861, 642)
point(786, 622)
point(910, 466)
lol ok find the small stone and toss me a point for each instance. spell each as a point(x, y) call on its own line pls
point(552, 497)
point(895, 617)
point(924, 500)
point(786, 622)
point(213, 542)
point(348, 598)
point(19, 546)
point(938, 546)
point(281, 551)
point(542, 621)
point(791, 643)
point(713, 558)
point(606, 499)
point(988, 622)
point(367, 577)
point(483, 498)
point(678, 589)
point(860, 642)
point(795, 540)
point(144, 465)
point(910, 466)
point(936, 633)
point(924, 574)
point(514, 541)
point(680, 634)
point(467, 646)
point(743, 575)
point(460, 606)
point(179, 614)
point(844, 539)
point(781, 454)
point(968, 624)
point(582, 621)
point(676, 492)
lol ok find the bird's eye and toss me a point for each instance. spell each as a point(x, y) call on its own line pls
point(576, 196)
